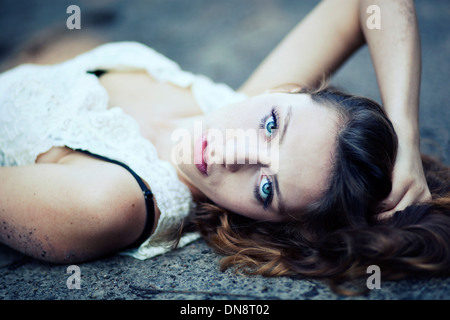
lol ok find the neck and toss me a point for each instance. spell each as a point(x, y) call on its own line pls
point(169, 131)
point(197, 195)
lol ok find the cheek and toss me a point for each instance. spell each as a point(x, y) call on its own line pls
point(225, 194)
point(233, 117)
point(231, 196)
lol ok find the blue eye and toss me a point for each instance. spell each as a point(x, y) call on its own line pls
point(263, 192)
point(270, 123)
point(265, 188)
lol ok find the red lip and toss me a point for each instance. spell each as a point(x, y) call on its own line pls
point(199, 155)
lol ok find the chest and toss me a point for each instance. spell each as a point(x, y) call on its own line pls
point(151, 103)
point(154, 106)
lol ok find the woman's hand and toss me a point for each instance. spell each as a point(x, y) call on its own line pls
point(408, 181)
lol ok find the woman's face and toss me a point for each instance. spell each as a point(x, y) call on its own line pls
point(262, 157)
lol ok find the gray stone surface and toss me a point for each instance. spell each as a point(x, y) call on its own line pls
point(225, 40)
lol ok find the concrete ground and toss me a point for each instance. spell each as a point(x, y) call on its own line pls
point(225, 40)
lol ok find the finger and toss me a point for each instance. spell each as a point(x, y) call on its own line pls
point(393, 199)
point(385, 215)
point(408, 199)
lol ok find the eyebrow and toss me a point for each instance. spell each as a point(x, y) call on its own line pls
point(287, 119)
point(281, 207)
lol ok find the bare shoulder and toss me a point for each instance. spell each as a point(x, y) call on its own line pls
point(98, 178)
point(110, 180)
point(114, 184)
point(117, 182)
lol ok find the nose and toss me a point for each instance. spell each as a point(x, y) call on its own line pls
point(241, 154)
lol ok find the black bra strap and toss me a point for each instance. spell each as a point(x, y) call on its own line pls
point(148, 195)
point(98, 73)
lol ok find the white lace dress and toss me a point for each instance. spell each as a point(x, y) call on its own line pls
point(63, 105)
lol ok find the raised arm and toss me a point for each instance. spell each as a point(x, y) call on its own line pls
point(316, 47)
point(396, 55)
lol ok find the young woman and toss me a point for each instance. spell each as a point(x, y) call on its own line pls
point(118, 150)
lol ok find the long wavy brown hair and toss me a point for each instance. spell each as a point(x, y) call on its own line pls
point(339, 236)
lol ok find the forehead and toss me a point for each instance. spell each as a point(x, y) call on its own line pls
point(306, 154)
